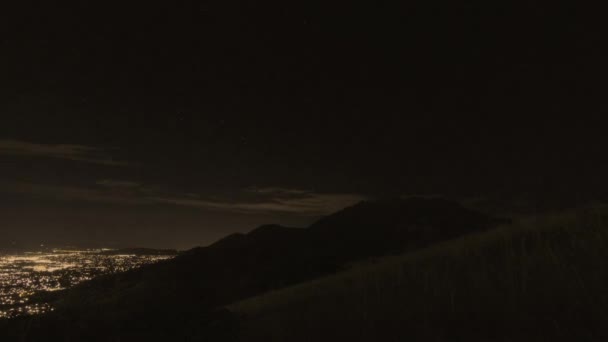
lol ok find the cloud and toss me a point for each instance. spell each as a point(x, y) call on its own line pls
point(309, 204)
point(79, 153)
point(283, 201)
point(277, 191)
point(111, 183)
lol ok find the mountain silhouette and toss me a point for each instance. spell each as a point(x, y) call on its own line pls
point(175, 298)
point(393, 226)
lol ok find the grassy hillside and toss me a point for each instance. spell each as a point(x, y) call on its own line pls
point(542, 278)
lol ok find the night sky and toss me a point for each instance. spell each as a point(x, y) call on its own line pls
point(173, 124)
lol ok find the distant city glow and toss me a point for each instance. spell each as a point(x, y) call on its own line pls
point(24, 275)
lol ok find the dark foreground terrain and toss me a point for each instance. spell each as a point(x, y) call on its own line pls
point(543, 278)
point(415, 269)
point(186, 298)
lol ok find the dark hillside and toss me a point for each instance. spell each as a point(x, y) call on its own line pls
point(392, 226)
point(173, 297)
point(543, 278)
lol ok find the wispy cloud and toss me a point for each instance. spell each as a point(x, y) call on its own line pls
point(81, 153)
point(305, 204)
point(122, 192)
point(277, 191)
point(111, 183)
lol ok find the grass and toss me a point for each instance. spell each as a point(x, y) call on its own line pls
point(542, 278)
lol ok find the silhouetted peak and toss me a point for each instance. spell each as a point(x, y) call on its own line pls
point(228, 240)
point(399, 211)
point(393, 225)
point(272, 233)
point(268, 229)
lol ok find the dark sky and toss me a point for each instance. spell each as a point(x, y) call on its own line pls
point(171, 124)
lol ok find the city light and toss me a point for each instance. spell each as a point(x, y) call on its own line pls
point(24, 275)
